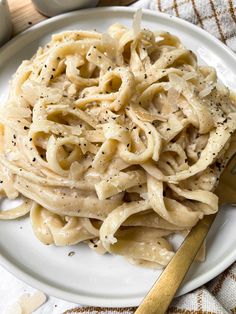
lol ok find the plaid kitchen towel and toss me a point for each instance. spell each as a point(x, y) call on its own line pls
point(219, 295)
point(217, 17)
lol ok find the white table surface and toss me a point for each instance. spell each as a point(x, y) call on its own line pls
point(12, 288)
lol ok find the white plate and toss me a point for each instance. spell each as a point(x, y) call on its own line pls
point(86, 277)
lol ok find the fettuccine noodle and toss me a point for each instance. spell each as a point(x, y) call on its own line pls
point(116, 139)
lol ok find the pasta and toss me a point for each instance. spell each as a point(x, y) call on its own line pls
point(117, 140)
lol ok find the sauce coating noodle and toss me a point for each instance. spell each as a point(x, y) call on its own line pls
point(115, 139)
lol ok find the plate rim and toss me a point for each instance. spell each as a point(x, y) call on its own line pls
point(92, 300)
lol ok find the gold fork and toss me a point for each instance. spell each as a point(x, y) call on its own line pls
point(161, 294)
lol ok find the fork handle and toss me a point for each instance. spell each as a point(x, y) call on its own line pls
point(161, 294)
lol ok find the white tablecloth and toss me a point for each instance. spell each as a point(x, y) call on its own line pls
point(12, 288)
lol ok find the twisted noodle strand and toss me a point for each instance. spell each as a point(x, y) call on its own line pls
point(116, 140)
